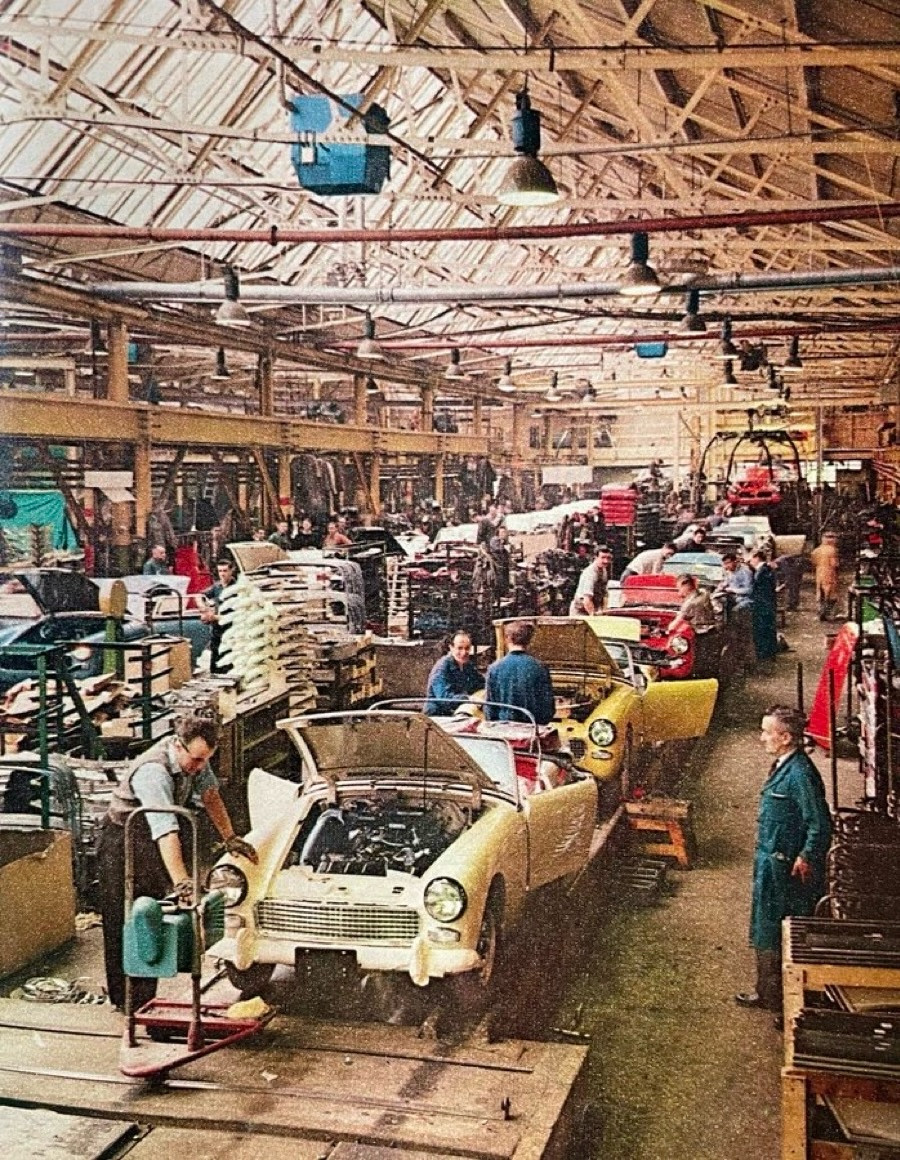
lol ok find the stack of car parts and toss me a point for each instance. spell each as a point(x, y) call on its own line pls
point(864, 867)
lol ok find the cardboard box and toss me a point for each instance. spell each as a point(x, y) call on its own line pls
point(37, 895)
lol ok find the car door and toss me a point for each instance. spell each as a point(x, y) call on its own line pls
point(676, 710)
point(560, 824)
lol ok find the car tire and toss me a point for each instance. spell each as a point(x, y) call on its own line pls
point(466, 996)
point(251, 981)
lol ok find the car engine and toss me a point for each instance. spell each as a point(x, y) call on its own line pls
point(374, 836)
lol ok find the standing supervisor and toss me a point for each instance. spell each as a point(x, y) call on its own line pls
point(764, 611)
point(453, 678)
point(174, 771)
point(226, 573)
point(518, 679)
point(825, 562)
point(793, 835)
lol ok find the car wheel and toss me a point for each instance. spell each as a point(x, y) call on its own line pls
point(251, 981)
point(489, 941)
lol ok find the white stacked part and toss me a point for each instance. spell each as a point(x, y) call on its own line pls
point(250, 637)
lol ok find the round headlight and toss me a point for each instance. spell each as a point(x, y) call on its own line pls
point(679, 645)
point(444, 899)
point(602, 732)
point(231, 881)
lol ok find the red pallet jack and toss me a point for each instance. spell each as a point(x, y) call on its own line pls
point(162, 939)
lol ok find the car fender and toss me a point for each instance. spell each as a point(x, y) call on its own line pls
point(495, 846)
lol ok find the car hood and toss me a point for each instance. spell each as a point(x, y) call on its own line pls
point(382, 744)
point(564, 642)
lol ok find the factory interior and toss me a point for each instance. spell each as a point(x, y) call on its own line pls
point(449, 570)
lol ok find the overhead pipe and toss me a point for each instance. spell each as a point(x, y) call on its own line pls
point(674, 336)
point(211, 291)
point(274, 235)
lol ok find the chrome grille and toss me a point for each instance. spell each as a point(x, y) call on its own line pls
point(340, 921)
point(577, 746)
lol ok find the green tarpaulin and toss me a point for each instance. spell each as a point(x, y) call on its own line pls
point(46, 509)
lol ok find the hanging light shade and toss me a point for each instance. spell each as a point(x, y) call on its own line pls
point(728, 379)
point(727, 349)
point(692, 320)
point(505, 382)
point(96, 345)
point(553, 395)
point(221, 372)
point(640, 280)
point(454, 370)
point(371, 386)
point(368, 347)
point(589, 396)
point(773, 383)
point(793, 364)
point(231, 312)
point(528, 181)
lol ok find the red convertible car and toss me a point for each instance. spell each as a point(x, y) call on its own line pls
point(654, 601)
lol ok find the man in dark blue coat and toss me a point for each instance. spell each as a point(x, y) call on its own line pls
point(453, 678)
point(518, 679)
point(792, 840)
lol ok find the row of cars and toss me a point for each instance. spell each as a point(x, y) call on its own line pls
point(411, 844)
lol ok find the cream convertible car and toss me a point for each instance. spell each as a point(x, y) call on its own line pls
point(409, 848)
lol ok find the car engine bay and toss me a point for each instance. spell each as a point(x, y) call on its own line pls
point(375, 835)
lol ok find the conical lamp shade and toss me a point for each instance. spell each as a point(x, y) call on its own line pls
point(528, 181)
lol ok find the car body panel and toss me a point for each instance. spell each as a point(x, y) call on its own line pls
point(327, 878)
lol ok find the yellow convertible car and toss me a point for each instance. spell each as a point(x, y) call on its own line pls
point(405, 848)
point(606, 708)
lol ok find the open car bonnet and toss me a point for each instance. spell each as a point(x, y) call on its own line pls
point(382, 744)
point(565, 643)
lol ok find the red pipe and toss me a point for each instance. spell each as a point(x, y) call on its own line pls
point(276, 236)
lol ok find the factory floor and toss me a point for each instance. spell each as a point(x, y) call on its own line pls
point(675, 1070)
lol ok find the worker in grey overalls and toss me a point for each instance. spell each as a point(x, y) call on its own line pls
point(175, 771)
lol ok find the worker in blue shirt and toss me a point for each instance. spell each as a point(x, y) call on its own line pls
point(518, 679)
point(453, 678)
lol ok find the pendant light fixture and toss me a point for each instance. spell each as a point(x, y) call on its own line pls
point(372, 387)
point(727, 349)
point(553, 395)
point(728, 379)
point(96, 345)
point(368, 347)
point(454, 370)
point(221, 372)
point(231, 312)
point(505, 382)
point(528, 181)
point(793, 364)
point(640, 280)
point(692, 320)
point(589, 396)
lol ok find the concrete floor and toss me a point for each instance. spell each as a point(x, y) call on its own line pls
point(676, 1071)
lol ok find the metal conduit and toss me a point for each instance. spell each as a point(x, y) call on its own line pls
point(213, 291)
point(623, 340)
point(274, 235)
